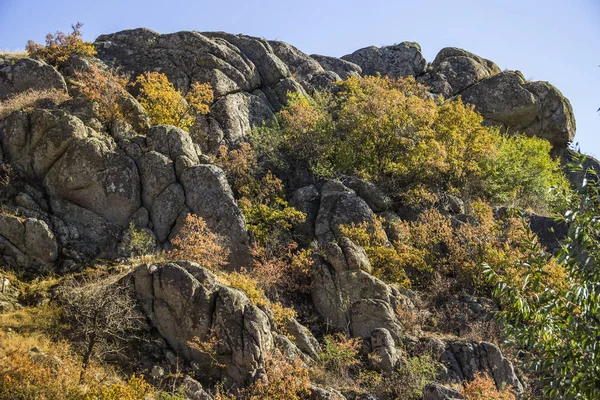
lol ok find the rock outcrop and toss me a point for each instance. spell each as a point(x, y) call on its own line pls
point(186, 303)
point(27, 74)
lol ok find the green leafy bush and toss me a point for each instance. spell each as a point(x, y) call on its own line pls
point(394, 134)
point(556, 321)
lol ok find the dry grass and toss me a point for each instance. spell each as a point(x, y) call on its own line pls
point(13, 54)
point(29, 98)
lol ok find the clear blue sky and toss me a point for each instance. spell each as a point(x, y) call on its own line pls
point(552, 40)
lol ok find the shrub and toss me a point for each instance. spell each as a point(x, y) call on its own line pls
point(410, 378)
point(30, 98)
point(483, 388)
point(137, 242)
point(392, 133)
point(339, 354)
point(195, 242)
point(557, 326)
point(523, 172)
point(60, 46)
point(385, 259)
point(101, 315)
point(268, 216)
point(104, 87)
point(36, 367)
point(284, 381)
point(167, 105)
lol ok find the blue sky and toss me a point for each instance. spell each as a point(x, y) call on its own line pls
point(551, 40)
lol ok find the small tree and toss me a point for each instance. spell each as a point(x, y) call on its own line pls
point(102, 316)
point(60, 46)
point(167, 105)
point(558, 325)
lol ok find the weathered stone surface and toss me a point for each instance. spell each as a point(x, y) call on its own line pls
point(339, 205)
point(238, 113)
point(435, 391)
point(537, 108)
point(166, 208)
point(95, 174)
point(374, 196)
point(301, 65)
point(354, 299)
point(395, 61)
point(383, 347)
point(184, 301)
point(341, 67)
point(156, 173)
point(319, 393)
point(454, 70)
point(208, 195)
point(26, 74)
point(34, 141)
point(32, 237)
point(83, 230)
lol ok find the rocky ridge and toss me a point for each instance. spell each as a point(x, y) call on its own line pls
point(80, 188)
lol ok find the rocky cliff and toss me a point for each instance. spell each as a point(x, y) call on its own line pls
point(77, 188)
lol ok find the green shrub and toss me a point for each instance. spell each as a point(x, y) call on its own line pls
point(410, 378)
point(556, 321)
point(523, 172)
point(394, 134)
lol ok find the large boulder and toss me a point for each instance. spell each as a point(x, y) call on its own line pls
point(34, 141)
point(32, 237)
point(95, 174)
point(28, 74)
point(536, 108)
point(395, 61)
point(300, 64)
point(185, 302)
point(454, 70)
point(344, 69)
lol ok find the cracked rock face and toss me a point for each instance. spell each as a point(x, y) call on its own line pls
point(26, 74)
point(185, 301)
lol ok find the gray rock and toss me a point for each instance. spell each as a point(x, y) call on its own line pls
point(537, 108)
point(395, 61)
point(95, 174)
point(193, 390)
point(301, 65)
point(208, 195)
point(28, 74)
point(238, 113)
point(435, 391)
point(167, 207)
point(34, 141)
point(383, 347)
point(157, 172)
point(465, 359)
point(373, 195)
point(354, 299)
point(303, 338)
point(32, 237)
point(454, 70)
point(319, 393)
point(184, 301)
point(342, 68)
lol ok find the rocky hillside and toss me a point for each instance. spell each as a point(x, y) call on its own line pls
point(79, 190)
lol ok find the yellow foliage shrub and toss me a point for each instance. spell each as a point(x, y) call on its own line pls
point(196, 242)
point(167, 105)
point(60, 46)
